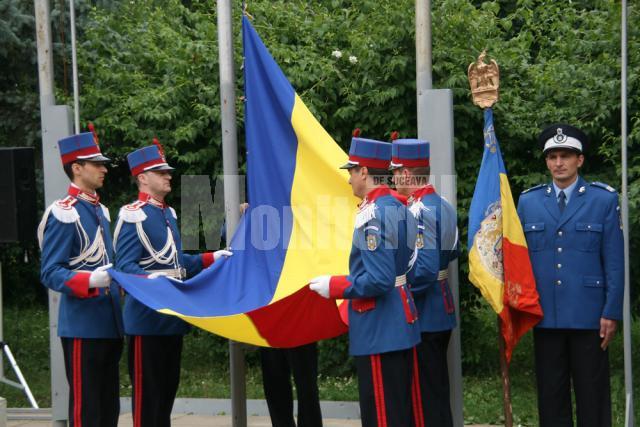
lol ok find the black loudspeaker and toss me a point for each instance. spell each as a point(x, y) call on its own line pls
point(18, 210)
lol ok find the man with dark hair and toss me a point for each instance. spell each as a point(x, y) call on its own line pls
point(148, 243)
point(77, 250)
point(437, 246)
point(381, 313)
point(574, 235)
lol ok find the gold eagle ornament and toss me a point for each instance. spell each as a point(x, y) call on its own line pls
point(484, 80)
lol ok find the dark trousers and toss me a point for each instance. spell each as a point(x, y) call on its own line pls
point(431, 404)
point(384, 386)
point(91, 365)
point(564, 357)
point(277, 366)
point(154, 369)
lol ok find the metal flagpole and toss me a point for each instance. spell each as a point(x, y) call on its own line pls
point(74, 67)
point(55, 124)
point(628, 382)
point(435, 124)
point(231, 189)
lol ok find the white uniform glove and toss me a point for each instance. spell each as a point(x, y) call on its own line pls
point(100, 277)
point(320, 285)
point(162, 274)
point(219, 254)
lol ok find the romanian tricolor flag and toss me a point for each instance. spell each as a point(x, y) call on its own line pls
point(499, 262)
point(298, 226)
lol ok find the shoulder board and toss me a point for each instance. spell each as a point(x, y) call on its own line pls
point(537, 187)
point(603, 186)
point(133, 212)
point(173, 212)
point(64, 211)
point(105, 212)
point(365, 214)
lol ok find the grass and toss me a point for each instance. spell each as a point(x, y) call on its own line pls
point(205, 373)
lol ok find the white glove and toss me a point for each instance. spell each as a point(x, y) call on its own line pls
point(320, 285)
point(157, 274)
point(219, 254)
point(100, 277)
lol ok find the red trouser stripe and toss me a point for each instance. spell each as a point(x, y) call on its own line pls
point(77, 382)
point(416, 394)
point(378, 390)
point(137, 372)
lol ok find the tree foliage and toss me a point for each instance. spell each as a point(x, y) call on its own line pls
point(150, 68)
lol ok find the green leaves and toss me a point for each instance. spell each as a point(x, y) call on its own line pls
point(150, 68)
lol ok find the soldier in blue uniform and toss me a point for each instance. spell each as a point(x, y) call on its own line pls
point(382, 316)
point(575, 243)
point(437, 245)
point(148, 242)
point(77, 250)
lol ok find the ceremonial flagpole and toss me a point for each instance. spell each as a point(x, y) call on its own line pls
point(74, 67)
point(628, 382)
point(435, 124)
point(231, 189)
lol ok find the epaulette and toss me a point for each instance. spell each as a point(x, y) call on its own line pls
point(604, 186)
point(105, 212)
point(417, 208)
point(133, 212)
point(537, 187)
point(64, 211)
point(365, 214)
point(173, 212)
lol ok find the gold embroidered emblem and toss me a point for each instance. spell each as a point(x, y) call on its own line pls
point(372, 243)
point(419, 241)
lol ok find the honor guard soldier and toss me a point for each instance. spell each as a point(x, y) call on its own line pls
point(77, 250)
point(437, 246)
point(381, 313)
point(575, 243)
point(148, 243)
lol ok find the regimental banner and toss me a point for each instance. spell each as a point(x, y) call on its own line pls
point(499, 263)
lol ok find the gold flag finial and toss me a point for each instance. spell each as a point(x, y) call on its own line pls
point(484, 80)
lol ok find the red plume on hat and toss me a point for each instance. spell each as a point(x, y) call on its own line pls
point(156, 142)
point(356, 132)
point(92, 128)
point(395, 135)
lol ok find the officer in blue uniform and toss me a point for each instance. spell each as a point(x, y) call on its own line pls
point(437, 245)
point(148, 242)
point(77, 250)
point(382, 316)
point(575, 243)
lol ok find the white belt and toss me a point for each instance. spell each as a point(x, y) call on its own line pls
point(401, 280)
point(443, 274)
point(176, 273)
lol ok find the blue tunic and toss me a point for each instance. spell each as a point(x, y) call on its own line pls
point(156, 222)
point(437, 244)
point(381, 310)
point(75, 239)
point(577, 255)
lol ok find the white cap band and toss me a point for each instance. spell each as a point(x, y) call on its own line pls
point(564, 142)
